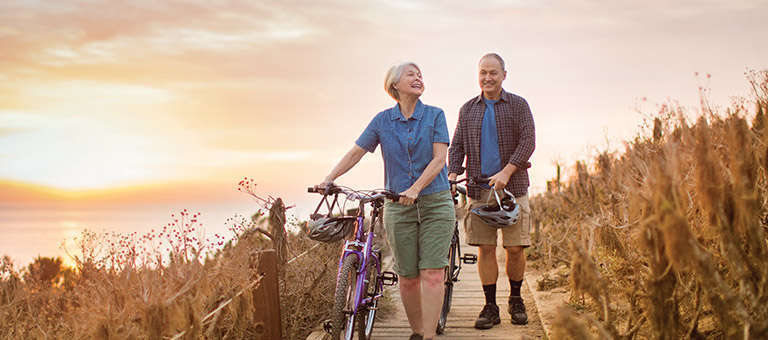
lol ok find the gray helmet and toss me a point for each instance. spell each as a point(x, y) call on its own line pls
point(330, 229)
point(505, 213)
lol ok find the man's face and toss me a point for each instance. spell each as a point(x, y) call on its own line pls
point(491, 75)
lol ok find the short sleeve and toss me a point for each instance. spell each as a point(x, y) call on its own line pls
point(441, 129)
point(370, 137)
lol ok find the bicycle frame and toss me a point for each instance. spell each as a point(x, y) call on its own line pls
point(364, 251)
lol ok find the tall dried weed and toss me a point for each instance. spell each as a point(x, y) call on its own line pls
point(668, 239)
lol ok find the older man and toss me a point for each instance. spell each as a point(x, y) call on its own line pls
point(495, 132)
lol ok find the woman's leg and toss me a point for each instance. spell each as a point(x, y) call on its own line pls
point(402, 226)
point(410, 293)
point(435, 232)
point(432, 290)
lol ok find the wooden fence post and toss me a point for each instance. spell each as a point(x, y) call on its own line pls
point(266, 298)
point(277, 228)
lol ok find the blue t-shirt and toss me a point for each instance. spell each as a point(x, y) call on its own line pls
point(406, 145)
point(490, 159)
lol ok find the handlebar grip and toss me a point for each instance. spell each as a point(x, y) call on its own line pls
point(482, 180)
point(311, 189)
point(393, 196)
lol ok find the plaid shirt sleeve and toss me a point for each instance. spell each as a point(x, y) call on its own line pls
point(527, 141)
point(456, 153)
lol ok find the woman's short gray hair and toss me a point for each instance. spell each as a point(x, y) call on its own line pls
point(393, 76)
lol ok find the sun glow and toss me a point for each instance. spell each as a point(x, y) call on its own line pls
point(70, 230)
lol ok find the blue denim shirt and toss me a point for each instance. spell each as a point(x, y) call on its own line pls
point(406, 145)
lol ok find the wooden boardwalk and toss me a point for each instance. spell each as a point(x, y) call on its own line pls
point(468, 300)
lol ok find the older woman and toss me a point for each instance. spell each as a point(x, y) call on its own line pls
point(414, 143)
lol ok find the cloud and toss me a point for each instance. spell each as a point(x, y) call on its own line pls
point(46, 38)
point(186, 87)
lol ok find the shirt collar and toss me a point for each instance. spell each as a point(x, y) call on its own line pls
point(418, 112)
point(505, 97)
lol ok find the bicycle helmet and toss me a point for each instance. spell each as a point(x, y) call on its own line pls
point(502, 215)
point(330, 229)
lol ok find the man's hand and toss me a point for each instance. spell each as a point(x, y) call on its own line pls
point(452, 177)
point(500, 179)
point(408, 197)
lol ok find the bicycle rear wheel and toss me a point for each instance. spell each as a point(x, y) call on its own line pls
point(453, 255)
point(366, 316)
point(343, 320)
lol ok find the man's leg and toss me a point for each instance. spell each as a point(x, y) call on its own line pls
point(488, 270)
point(515, 273)
point(515, 270)
point(487, 265)
point(516, 239)
point(484, 237)
point(515, 263)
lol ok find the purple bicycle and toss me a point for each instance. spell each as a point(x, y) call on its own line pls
point(360, 281)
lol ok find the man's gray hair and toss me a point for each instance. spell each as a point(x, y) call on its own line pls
point(393, 76)
point(497, 57)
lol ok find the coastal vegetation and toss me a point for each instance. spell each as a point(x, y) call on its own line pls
point(667, 239)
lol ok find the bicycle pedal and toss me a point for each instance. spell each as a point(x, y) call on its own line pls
point(328, 326)
point(388, 278)
point(469, 259)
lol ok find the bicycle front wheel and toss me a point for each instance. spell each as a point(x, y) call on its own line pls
point(344, 300)
point(366, 316)
point(448, 295)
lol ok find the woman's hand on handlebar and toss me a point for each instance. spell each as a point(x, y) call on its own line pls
point(326, 183)
point(408, 197)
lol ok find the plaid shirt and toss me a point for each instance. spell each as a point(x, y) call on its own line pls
point(517, 139)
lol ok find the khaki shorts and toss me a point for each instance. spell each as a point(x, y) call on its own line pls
point(420, 234)
point(481, 234)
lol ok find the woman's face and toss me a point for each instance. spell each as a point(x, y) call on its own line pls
point(410, 82)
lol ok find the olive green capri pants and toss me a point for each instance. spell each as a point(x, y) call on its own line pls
point(420, 234)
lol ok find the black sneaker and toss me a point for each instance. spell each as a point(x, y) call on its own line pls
point(517, 311)
point(415, 336)
point(488, 317)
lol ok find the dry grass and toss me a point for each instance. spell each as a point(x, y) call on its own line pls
point(124, 288)
point(668, 239)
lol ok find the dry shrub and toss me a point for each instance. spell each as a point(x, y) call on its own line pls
point(668, 238)
point(306, 293)
point(122, 288)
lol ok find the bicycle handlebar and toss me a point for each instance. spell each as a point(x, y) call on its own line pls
point(363, 196)
point(470, 181)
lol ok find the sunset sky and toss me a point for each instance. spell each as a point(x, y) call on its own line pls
point(170, 103)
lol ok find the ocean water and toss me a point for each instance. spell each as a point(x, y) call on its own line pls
point(28, 232)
